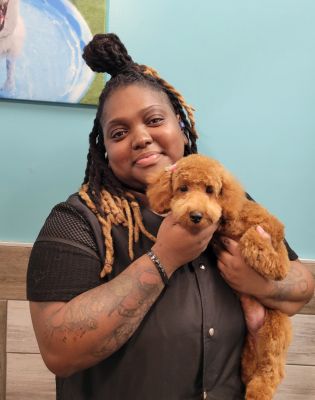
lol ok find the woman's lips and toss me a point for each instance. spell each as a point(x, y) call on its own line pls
point(148, 160)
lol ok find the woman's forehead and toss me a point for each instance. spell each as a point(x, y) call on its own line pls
point(133, 98)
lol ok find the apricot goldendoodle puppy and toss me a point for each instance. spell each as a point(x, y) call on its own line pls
point(199, 190)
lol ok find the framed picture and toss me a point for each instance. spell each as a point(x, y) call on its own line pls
point(41, 44)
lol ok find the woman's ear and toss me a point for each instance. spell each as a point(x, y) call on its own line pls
point(159, 192)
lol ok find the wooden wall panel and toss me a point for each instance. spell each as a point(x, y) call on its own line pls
point(28, 378)
point(3, 331)
point(302, 349)
point(13, 266)
point(299, 384)
point(20, 333)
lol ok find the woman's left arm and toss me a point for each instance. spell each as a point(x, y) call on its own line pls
point(288, 295)
point(292, 293)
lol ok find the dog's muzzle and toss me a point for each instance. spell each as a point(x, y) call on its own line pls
point(195, 216)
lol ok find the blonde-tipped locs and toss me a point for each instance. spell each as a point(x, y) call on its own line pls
point(117, 211)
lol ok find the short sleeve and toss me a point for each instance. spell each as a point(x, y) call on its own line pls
point(291, 253)
point(64, 261)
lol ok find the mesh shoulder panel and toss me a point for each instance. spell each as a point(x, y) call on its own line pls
point(65, 222)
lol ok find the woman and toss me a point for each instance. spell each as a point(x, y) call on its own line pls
point(134, 323)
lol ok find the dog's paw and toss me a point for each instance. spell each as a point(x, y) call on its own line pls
point(259, 253)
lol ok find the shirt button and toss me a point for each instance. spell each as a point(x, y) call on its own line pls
point(211, 332)
point(202, 266)
point(204, 395)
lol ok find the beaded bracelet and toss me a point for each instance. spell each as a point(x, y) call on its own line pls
point(156, 261)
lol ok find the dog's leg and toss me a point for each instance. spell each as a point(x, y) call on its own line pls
point(259, 253)
point(249, 362)
point(270, 349)
point(9, 84)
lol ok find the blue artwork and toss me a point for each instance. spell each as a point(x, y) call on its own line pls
point(41, 43)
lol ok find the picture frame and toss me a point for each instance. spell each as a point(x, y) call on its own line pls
point(41, 44)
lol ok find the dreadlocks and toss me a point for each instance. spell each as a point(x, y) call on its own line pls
point(103, 193)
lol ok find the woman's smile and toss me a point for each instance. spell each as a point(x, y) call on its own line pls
point(147, 159)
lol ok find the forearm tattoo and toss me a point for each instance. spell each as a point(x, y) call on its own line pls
point(117, 308)
point(293, 288)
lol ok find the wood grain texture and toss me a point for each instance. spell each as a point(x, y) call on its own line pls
point(13, 266)
point(28, 378)
point(299, 384)
point(302, 349)
point(20, 333)
point(3, 332)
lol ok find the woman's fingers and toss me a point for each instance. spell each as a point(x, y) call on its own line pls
point(263, 233)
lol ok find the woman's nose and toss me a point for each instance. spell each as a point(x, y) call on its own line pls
point(141, 138)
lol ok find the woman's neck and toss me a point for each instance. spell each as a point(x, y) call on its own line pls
point(140, 196)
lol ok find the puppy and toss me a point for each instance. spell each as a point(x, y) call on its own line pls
point(200, 191)
point(12, 34)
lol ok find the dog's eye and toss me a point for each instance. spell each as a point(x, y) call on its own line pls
point(209, 189)
point(183, 188)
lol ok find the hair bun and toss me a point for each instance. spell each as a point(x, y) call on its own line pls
point(106, 53)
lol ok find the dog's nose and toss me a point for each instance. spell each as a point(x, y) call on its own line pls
point(195, 216)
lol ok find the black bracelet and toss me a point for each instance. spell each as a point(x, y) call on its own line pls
point(156, 261)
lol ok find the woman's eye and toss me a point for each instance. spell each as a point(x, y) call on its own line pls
point(209, 189)
point(155, 121)
point(118, 134)
point(183, 188)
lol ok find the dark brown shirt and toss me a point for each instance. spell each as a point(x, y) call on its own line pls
point(187, 347)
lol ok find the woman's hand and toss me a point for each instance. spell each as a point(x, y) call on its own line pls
point(175, 245)
point(288, 295)
point(240, 276)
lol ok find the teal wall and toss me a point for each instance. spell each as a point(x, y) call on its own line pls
point(248, 69)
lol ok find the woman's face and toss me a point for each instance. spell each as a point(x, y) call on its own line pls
point(141, 134)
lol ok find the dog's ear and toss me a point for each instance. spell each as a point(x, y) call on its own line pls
point(231, 197)
point(160, 191)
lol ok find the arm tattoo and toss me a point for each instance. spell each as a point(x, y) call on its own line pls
point(292, 288)
point(122, 302)
point(131, 305)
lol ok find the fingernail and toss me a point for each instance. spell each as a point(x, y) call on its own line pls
point(260, 230)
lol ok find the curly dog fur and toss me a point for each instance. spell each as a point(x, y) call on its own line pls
point(199, 191)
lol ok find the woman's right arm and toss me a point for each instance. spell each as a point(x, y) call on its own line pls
point(80, 333)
